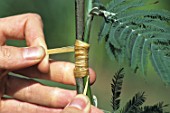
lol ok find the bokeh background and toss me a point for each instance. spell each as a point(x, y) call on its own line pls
point(59, 28)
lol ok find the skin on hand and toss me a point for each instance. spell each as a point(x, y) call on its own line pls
point(20, 27)
point(28, 95)
point(33, 96)
point(79, 104)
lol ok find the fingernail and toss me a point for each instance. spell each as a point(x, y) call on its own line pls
point(33, 53)
point(80, 102)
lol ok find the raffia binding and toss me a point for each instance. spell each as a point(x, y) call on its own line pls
point(60, 50)
point(81, 59)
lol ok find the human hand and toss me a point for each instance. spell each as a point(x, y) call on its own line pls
point(79, 104)
point(29, 96)
point(20, 27)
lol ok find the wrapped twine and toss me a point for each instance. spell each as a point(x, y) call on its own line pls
point(81, 59)
point(81, 69)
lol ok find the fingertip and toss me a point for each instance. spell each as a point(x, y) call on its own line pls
point(92, 75)
point(44, 65)
point(33, 53)
point(80, 104)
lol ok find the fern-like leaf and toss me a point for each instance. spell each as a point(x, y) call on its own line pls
point(154, 14)
point(128, 5)
point(133, 106)
point(116, 86)
point(161, 62)
point(157, 108)
point(130, 35)
point(113, 4)
point(104, 30)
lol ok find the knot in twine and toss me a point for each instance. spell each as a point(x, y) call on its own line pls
point(81, 59)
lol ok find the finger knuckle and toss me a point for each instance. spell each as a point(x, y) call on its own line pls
point(28, 91)
point(33, 16)
point(1, 20)
point(5, 54)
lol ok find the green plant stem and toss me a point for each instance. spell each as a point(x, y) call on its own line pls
point(89, 93)
point(79, 12)
point(86, 38)
point(79, 8)
point(88, 19)
point(82, 33)
point(79, 85)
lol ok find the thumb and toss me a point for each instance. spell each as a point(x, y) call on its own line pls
point(15, 58)
point(80, 104)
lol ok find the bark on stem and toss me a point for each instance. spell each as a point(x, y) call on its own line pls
point(80, 29)
point(79, 10)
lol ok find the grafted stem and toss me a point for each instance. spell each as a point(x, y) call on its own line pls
point(79, 12)
point(82, 34)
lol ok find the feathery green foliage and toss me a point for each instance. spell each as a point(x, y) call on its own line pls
point(157, 108)
point(133, 105)
point(132, 34)
point(116, 89)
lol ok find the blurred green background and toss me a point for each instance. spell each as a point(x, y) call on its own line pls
point(59, 28)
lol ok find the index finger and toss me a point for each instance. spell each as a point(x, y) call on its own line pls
point(61, 72)
point(35, 37)
point(28, 26)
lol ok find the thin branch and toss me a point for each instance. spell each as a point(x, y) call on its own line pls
point(89, 18)
point(80, 30)
point(79, 9)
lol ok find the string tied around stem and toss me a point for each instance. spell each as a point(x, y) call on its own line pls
point(81, 59)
